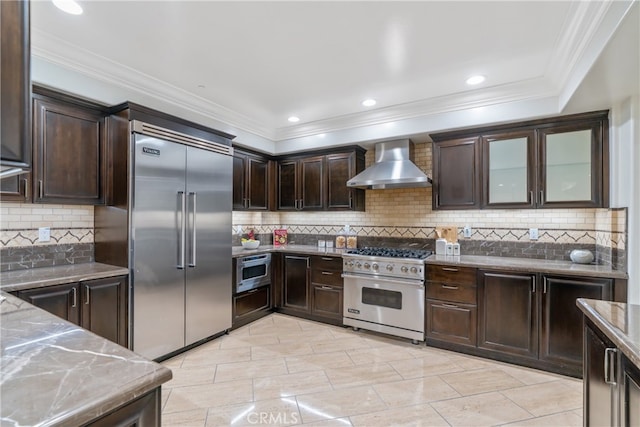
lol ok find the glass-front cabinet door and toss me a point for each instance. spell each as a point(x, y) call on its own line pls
point(571, 166)
point(509, 170)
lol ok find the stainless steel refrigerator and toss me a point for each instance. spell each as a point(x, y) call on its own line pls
point(180, 243)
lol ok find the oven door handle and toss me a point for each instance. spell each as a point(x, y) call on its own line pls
point(414, 283)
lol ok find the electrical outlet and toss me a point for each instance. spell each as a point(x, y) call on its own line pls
point(533, 234)
point(466, 231)
point(44, 234)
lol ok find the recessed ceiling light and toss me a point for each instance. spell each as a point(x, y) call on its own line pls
point(474, 80)
point(294, 119)
point(369, 102)
point(70, 6)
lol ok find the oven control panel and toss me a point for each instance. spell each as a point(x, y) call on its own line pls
point(391, 267)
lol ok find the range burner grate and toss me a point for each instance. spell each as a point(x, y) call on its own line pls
point(391, 252)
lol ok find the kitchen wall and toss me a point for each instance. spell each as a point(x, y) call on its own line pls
point(407, 214)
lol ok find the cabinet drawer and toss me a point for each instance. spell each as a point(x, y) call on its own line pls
point(326, 263)
point(251, 301)
point(326, 277)
point(451, 322)
point(452, 292)
point(451, 274)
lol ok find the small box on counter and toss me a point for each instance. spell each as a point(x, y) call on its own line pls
point(280, 237)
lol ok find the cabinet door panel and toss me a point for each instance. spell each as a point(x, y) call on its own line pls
point(61, 300)
point(296, 282)
point(312, 183)
point(456, 166)
point(251, 301)
point(326, 301)
point(630, 395)
point(239, 174)
point(561, 321)
point(104, 308)
point(258, 184)
point(451, 322)
point(68, 146)
point(287, 185)
point(598, 394)
point(507, 314)
point(340, 169)
point(15, 188)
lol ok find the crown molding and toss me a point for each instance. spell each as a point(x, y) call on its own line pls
point(66, 55)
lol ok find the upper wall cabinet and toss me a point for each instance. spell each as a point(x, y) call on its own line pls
point(15, 87)
point(555, 163)
point(68, 150)
point(251, 181)
point(319, 181)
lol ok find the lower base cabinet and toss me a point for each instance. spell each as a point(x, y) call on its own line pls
point(251, 305)
point(611, 383)
point(142, 412)
point(451, 322)
point(99, 305)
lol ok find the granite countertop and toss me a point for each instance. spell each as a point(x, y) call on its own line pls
point(16, 280)
point(620, 322)
point(56, 373)
point(239, 251)
point(566, 268)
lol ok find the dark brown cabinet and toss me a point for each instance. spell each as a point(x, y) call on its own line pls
point(142, 412)
point(295, 283)
point(15, 81)
point(98, 305)
point(451, 310)
point(560, 162)
point(630, 399)
point(68, 150)
point(301, 184)
point(508, 313)
point(456, 174)
point(251, 305)
point(319, 182)
point(340, 168)
point(561, 320)
point(312, 287)
point(599, 385)
point(251, 181)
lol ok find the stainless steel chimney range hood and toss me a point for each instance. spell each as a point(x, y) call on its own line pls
point(393, 168)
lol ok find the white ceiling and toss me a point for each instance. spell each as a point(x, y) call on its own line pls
point(244, 67)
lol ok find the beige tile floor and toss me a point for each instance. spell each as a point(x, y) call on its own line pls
point(281, 370)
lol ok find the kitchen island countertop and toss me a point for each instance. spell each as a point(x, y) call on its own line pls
point(56, 373)
point(620, 322)
point(16, 280)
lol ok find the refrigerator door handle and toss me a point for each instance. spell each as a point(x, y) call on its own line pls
point(193, 231)
point(183, 210)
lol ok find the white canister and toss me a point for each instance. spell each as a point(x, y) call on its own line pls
point(456, 249)
point(449, 248)
point(441, 246)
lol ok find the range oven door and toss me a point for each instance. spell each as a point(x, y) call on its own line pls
point(388, 305)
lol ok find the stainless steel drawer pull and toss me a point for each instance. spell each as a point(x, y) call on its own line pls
point(324, 258)
point(532, 197)
point(326, 287)
point(74, 295)
point(327, 273)
point(88, 291)
point(40, 188)
point(253, 290)
point(449, 287)
point(450, 305)
point(26, 188)
point(455, 270)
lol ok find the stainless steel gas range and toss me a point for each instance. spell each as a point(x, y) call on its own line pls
point(384, 291)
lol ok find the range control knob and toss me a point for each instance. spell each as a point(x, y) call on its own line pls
point(358, 264)
point(375, 266)
point(366, 265)
point(350, 263)
point(404, 269)
point(414, 270)
point(389, 267)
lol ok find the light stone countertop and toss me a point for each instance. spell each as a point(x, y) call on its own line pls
point(56, 373)
point(239, 251)
point(620, 322)
point(16, 280)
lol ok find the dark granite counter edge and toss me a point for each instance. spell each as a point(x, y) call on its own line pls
point(618, 337)
point(62, 276)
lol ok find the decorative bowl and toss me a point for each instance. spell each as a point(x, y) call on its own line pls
point(581, 256)
point(251, 244)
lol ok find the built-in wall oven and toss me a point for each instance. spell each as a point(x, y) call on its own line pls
point(252, 272)
point(384, 291)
